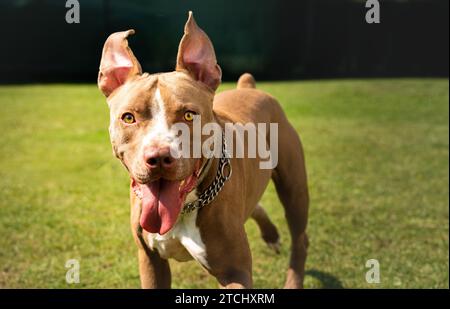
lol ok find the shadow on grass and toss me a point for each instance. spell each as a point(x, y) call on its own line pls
point(328, 281)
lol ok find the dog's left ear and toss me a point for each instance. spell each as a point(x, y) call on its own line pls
point(196, 55)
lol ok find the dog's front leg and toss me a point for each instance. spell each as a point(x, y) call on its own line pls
point(153, 270)
point(235, 271)
point(229, 260)
point(236, 279)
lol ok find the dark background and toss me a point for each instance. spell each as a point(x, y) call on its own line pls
point(273, 39)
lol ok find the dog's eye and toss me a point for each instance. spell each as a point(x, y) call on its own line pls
point(128, 118)
point(189, 116)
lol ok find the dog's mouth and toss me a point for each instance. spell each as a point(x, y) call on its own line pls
point(162, 201)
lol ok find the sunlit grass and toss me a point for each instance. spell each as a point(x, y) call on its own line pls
point(377, 157)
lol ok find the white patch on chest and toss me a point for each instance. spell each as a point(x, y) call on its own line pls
point(182, 243)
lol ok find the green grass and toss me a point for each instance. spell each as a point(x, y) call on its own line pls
point(378, 161)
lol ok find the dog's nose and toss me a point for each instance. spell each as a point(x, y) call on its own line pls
point(159, 158)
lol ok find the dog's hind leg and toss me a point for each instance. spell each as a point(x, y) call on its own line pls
point(268, 230)
point(291, 185)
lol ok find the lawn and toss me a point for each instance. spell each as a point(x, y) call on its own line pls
point(377, 155)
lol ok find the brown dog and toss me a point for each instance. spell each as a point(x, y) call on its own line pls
point(193, 208)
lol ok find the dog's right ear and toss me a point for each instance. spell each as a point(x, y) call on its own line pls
point(118, 63)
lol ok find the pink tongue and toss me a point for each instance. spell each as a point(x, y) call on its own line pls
point(161, 205)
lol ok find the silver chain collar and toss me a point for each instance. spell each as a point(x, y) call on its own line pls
point(216, 186)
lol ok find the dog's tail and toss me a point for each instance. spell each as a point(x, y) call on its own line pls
point(246, 81)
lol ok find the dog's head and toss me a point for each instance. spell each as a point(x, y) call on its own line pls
point(144, 108)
